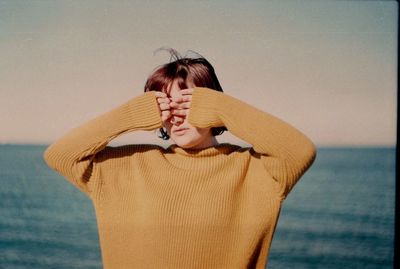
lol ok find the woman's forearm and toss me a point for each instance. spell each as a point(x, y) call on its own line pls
point(72, 154)
point(287, 152)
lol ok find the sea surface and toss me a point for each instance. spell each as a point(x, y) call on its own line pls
point(339, 215)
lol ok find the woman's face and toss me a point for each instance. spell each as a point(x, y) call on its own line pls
point(182, 132)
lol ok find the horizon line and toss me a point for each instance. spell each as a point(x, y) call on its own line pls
point(316, 145)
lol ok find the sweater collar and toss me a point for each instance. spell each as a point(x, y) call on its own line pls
point(223, 148)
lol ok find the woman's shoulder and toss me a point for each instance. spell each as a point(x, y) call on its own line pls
point(128, 150)
point(237, 147)
point(219, 149)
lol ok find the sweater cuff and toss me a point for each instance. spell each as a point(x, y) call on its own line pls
point(144, 111)
point(204, 108)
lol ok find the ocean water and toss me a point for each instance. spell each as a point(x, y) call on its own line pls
point(339, 215)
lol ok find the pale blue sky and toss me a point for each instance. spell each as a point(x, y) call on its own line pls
point(327, 67)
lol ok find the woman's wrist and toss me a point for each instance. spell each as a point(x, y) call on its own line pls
point(204, 109)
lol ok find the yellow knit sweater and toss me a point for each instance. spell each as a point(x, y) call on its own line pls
point(176, 208)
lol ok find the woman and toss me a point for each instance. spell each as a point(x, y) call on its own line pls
point(198, 203)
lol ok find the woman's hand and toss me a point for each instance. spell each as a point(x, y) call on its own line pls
point(164, 105)
point(180, 104)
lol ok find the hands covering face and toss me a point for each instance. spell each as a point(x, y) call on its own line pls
point(173, 107)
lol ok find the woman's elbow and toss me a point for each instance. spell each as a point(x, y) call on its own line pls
point(309, 154)
point(50, 156)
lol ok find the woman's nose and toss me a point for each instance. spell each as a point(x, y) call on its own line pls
point(175, 120)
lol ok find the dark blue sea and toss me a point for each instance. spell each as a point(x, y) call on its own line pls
point(340, 214)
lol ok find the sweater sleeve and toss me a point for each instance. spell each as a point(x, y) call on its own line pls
point(285, 152)
point(73, 154)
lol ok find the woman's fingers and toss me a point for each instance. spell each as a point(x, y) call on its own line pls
point(160, 94)
point(163, 101)
point(176, 105)
point(180, 105)
point(180, 112)
point(162, 98)
point(183, 98)
point(165, 115)
point(186, 91)
point(164, 106)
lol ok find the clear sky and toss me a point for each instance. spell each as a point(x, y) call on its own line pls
point(327, 67)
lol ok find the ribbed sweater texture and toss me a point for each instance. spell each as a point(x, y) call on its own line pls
point(158, 207)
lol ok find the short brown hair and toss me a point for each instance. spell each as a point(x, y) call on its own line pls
point(184, 69)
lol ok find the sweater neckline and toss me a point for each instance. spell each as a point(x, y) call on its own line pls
point(223, 148)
